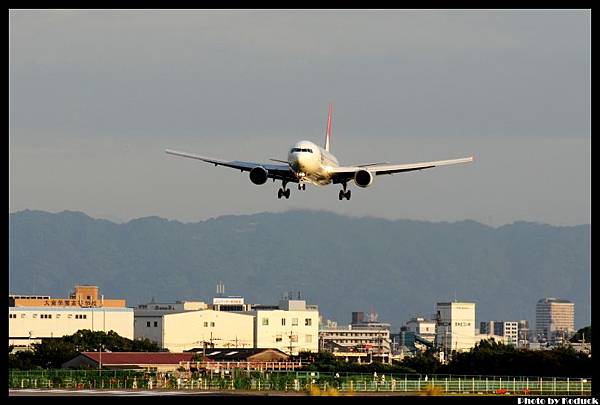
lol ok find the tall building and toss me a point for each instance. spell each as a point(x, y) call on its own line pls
point(554, 319)
point(455, 329)
point(33, 317)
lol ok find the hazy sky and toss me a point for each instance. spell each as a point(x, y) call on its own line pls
point(96, 96)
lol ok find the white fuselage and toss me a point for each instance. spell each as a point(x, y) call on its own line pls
point(311, 163)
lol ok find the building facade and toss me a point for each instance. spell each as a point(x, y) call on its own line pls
point(292, 326)
point(192, 329)
point(554, 320)
point(422, 327)
point(32, 318)
point(509, 330)
point(455, 326)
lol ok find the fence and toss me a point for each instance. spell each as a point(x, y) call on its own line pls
point(300, 382)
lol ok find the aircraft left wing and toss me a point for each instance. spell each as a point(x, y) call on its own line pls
point(344, 173)
point(279, 172)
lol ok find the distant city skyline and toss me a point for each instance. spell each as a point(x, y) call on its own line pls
point(95, 97)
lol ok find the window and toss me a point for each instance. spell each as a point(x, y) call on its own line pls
point(308, 338)
point(12, 316)
point(294, 338)
point(70, 316)
point(265, 321)
point(148, 324)
point(307, 322)
point(35, 315)
point(23, 315)
point(282, 321)
point(212, 324)
point(278, 338)
point(57, 316)
point(206, 324)
point(155, 324)
point(84, 316)
point(301, 150)
point(294, 321)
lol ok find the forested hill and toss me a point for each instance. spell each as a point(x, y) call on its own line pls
point(343, 264)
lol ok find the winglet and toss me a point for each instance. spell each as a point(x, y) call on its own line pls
point(328, 133)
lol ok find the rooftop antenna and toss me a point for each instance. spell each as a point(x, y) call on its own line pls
point(220, 288)
point(298, 294)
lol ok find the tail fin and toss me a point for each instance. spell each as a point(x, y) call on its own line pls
point(328, 133)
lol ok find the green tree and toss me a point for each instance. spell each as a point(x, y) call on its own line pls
point(583, 333)
point(52, 353)
point(21, 360)
point(490, 357)
point(422, 362)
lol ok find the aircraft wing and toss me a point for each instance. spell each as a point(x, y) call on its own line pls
point(344, 173)
point(279, 172)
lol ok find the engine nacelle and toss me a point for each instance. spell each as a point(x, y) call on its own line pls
point(259, 175)
point(363, 178)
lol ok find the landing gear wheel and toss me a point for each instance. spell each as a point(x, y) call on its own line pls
point(303, 186)
point(279, 193)
point(341, 195)
point(348, 195)
point(286, 193)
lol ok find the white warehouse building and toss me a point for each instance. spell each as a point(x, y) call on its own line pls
point(290, 327)
point(32, 318)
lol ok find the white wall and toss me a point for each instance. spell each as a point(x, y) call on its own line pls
point(456, 330)
point(187, 330)
point(277, 335)
point(66, 321)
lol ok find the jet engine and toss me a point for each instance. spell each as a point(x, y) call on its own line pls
point(363, 178)
point(259, 175)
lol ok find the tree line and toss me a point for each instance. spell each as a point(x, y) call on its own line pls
point(487, 358)
point(53, 352)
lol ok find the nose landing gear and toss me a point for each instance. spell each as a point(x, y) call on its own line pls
point(302, 186)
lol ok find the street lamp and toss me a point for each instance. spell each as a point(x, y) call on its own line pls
point(100, 360)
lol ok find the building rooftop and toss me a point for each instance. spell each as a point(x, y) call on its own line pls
point(556, 300)
point(125, 358)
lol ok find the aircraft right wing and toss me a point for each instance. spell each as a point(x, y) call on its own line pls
point(278, 172)
point(344, 173)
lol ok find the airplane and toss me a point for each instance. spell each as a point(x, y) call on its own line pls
point(309, 163)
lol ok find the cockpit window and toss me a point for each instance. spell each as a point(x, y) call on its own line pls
point(301, 150)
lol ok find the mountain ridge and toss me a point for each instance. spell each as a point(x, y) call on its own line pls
point(341, 263)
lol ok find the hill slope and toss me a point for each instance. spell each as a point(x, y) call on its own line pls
point(343, 264)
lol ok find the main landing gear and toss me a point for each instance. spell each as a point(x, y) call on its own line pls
point(345, 194)
point(284, 192)
point(302, 186)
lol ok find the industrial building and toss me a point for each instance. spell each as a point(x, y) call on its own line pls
point(425, 328)
point(362, 341)
point(554, 320)
point(292, 326)
point(455, 329)
point(33, 317)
